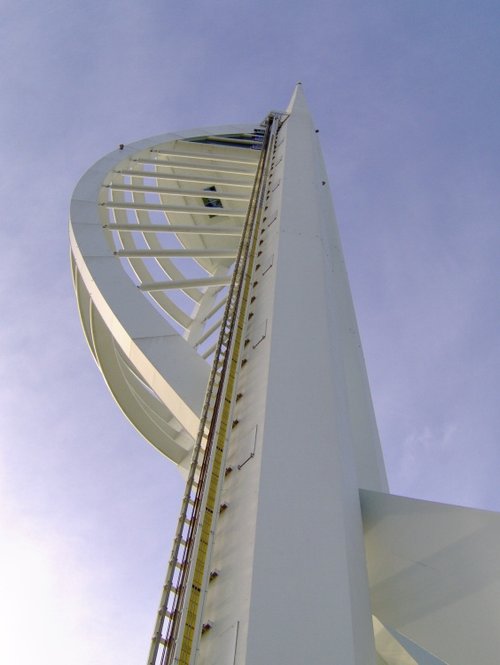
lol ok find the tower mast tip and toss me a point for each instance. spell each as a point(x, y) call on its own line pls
point(298, 101)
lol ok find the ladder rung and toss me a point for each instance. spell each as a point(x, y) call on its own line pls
point(167, 613)
point(164, 642)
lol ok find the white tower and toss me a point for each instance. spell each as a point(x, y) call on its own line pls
point(213, 293)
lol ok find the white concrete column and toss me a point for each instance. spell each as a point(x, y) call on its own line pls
point(309, 590)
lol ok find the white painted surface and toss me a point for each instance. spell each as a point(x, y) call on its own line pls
point(310, 599)
point(155, 375)
point(434, 572)
point(290, 546)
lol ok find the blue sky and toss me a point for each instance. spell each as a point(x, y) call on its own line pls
point(406, 97)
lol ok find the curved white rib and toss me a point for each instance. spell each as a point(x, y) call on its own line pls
point(154, 231)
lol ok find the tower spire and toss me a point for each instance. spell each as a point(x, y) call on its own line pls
point(298, 102)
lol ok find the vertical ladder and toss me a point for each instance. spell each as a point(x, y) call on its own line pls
point(178, 621)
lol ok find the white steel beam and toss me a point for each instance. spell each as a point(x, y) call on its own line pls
point(185, 283)
point(209, 331)
point(219, 157)
point(210, 180)
point(178, 253)
point(183, 210)
point(219, 194)
point(196, 167)
point(175, 228)
point(231, 139)
point(214, 309)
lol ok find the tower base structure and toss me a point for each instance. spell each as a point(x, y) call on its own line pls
point(289, 548)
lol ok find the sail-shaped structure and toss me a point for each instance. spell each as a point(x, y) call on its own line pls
point(213, 293)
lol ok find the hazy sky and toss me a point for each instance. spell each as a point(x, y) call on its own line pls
point(407, 99)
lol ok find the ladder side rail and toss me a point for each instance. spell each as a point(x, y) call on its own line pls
point(226, 335)
point(234, 357)
point(171, 591)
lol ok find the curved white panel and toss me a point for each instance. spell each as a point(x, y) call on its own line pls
point(154, 229)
